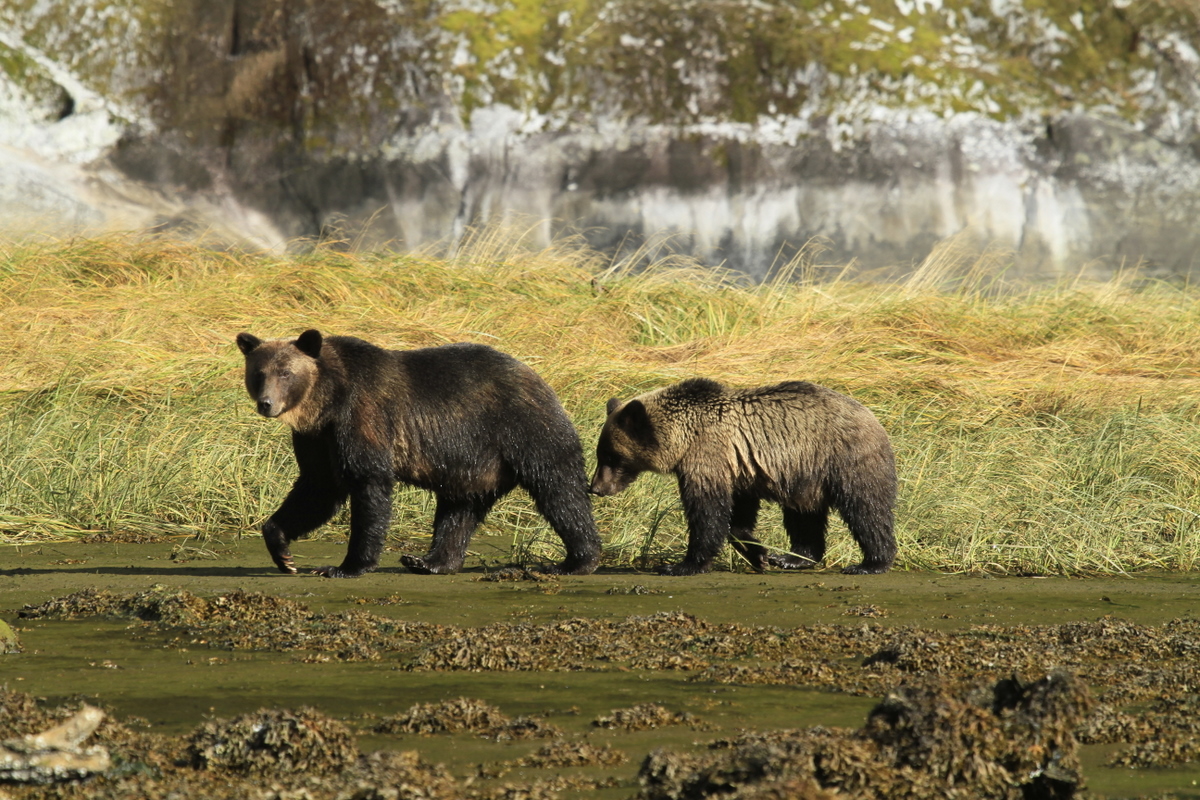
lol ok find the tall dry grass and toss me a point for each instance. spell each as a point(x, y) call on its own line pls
point(1049, 428)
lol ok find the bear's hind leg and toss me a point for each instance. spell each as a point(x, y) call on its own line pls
point(871, 526)
point(741, 531)
point(453, 523)
point(806, 534)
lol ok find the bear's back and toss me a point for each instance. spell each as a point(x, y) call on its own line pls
point(782, 432)
point(453, 373)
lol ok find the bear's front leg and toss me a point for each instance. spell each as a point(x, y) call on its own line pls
point(684, 568)
point(277, 546)
point(708, 513)
point(421, 566)
point(370, 515)
point(309, 504)
point(806, 534)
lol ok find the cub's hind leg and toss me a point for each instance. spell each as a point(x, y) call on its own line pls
point(806, 533)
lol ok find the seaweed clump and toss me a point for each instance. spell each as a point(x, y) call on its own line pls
point(1013, 742)
point(644, 717)
point(466, 715)
point(270, 741)
point(299, 754)
point(169, 606)
point(562, 753)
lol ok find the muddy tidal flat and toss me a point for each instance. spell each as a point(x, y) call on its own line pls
point(220, 677)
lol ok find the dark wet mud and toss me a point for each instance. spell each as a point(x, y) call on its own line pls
point(222, 677)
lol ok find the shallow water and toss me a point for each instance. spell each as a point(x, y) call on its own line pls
point(138, 670)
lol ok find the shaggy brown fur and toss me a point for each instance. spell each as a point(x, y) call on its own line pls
point(464, 421)
point(803, 446)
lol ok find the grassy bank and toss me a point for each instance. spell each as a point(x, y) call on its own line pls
point(1038, 429)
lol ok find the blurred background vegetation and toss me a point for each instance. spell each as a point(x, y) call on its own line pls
point(1039, 429)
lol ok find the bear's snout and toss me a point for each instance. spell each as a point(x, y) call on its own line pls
point(267, 408)
point(605, 483)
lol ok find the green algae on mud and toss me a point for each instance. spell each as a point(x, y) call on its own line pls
point(177, 636)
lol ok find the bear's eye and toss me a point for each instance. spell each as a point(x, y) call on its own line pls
point(285, 373)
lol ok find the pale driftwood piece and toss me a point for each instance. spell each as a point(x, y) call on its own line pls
point(55, 754)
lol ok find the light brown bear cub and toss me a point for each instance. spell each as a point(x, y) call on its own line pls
point(803, 446)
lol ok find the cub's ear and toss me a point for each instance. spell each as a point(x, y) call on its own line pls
point(309, 343)
point(246, 342)
point(635, 421)
point(613, 404)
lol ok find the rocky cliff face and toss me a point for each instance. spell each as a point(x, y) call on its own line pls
point(733, 130)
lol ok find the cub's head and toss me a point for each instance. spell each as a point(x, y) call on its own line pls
point(628, 446)
point(280, 375)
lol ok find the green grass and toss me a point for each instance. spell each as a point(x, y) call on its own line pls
point(1041, 429)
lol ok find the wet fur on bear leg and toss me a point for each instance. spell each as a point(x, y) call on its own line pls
point(453, 523)
point(806, 536)
point(277, 547)
point(312, 502)
point(563, 500)
point(870, 522)
point(741, 531)
point(708, 517)
point(370, 516)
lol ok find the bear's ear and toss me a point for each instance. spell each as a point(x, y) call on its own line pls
point(309, 343)
point(247, 342)
point(635, 421)
point(613, 404)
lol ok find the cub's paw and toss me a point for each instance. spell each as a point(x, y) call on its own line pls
point(868, 568)
point(790, 561)
point(682, 568)
point(420, 566)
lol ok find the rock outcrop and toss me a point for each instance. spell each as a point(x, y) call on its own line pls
point(734, 131)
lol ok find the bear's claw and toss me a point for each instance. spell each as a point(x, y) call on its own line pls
point(570, 568)
point(285, 564)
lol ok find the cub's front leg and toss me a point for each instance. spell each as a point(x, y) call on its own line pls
point(708, 514)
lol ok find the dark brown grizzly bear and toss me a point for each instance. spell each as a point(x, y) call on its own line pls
point(803, 446)
point(464, 421)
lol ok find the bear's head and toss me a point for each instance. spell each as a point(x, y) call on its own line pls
point(628, 447)
point(281, 374)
